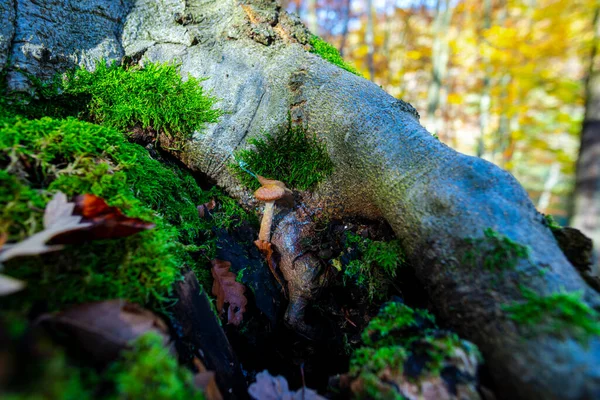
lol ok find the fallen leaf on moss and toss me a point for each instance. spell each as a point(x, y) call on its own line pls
point(227, 290)
point(103, 329)
point(58, 219)
point(87, 218)
point(106, 222)
point(269, 387)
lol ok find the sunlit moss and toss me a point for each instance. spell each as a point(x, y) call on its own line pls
point(76, 157)
point(331, 54)
point(152, 96)
point(293, 157)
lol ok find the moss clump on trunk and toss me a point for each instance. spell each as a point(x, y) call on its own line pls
point(560, 314)
point(331, 54)
point(293, 157)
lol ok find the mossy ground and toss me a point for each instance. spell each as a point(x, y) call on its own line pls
point(45, 149)
point(396, 339)
point(331, 54)
point(293, 157)
point(43, 156)
point(559, 314)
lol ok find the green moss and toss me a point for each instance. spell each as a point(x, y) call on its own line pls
point(378, 262)
point(152, 96)
point(551, 223)
point(559, 314)
point(396, 336)
point(149, 371)
point(495, 252)
point(77, 157)
point(293, 157)
point(371, 360)
point(393, 322)
point(331, 54)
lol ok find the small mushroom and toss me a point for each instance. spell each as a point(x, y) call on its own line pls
point(270, 192)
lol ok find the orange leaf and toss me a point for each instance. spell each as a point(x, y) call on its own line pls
point(227, 290)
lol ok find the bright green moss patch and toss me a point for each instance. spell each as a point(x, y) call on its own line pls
point(560, 314)
point(551, 223)
point(150, 97)
point(153, 96)
point(495, 252)
point(40, 157)
point(293, 157)
point(376, 265)
point(148, 371)
point(331, 54)
point(394, 319)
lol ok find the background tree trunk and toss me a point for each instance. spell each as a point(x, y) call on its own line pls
point(386, 164)
point(439, 59)
point(586, 198)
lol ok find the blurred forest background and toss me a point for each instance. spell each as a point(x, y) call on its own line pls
point(505, 80)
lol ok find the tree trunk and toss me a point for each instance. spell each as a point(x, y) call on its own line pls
point(485, 99)
point(370, 39)
point(312, 17)
point(347, 8)
point(586, 199)
point(439, 58)
point(386, 163)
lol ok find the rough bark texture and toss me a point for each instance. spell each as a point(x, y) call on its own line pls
point(386, 163)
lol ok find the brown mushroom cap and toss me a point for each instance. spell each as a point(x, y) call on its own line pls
point(269, 193)
point(269, 182)
point(272, 190)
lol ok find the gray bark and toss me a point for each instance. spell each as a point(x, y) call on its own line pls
point(386, 163)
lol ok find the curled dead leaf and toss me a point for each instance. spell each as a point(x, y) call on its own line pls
point(103, 329)
point(106, 222)
point(227, 290)
point(87, 218)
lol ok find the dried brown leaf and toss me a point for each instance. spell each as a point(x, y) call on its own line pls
point(103, 329)
point(269, 387)
point(88, 218)
point(206, 380)
point(58, 219)
point(227, 290)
